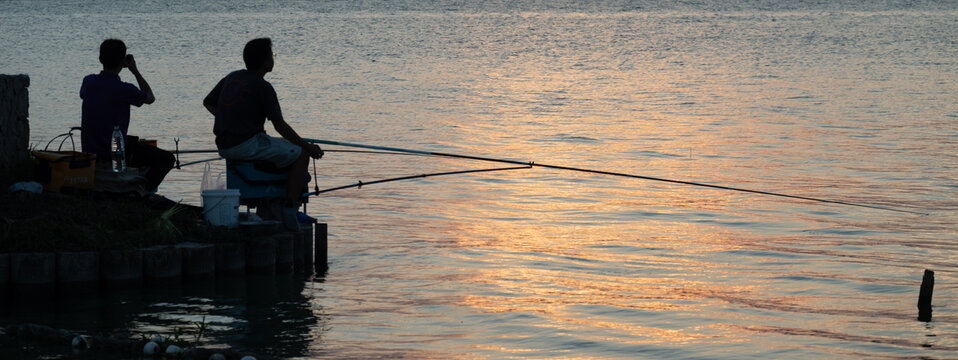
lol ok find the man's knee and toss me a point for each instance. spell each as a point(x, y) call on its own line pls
point(302, 160)
point(167, 159)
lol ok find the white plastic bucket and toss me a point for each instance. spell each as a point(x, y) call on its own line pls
point(221, 207)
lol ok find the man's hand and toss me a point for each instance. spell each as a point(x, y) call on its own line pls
point(314, 151)
point(130, 63)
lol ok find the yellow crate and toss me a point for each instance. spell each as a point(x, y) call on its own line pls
point(56, 169)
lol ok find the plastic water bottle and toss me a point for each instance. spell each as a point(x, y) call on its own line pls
point(119, 150)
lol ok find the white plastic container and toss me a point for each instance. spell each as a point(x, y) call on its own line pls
point(221, 207)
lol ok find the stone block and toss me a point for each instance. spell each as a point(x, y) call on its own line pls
point(162, 263)
point(261, 256)
point(231, 258)
point(33, 277)
point(14, 124)
point(81, 269)
point(33, 268)
point(197, 259)
point(121, 267)
point(4, 273)
point(298, 264)
point(284, 252)
point(307, 254)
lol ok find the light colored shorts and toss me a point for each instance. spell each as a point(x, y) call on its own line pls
point(276, 150)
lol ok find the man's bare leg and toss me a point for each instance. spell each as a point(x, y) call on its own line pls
point(296, 180)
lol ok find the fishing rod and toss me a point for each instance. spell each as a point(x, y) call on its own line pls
point(333, 151)
point(361, 184)
point(178, 152)
point(610, 173)
point(198, 162)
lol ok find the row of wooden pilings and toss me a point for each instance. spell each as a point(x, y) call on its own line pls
point(277, 254)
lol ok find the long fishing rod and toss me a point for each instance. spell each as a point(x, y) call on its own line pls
point(602, 172)
point(178, 152)
point(361, 184)
point(210, 151)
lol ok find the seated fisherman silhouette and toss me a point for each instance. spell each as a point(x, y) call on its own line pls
point(106, 104)
point(241, 103)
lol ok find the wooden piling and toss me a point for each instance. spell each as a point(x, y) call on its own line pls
point(924, 296)
point(4, 273)
point(305, 233)
point(33, 275)
point(320, 247)
point(121, 267)
point(162, 264)
point(284, 252)
point(198, 260)
point(261, 256)
point(78, 272)
point(230, 259)
point(307, 253)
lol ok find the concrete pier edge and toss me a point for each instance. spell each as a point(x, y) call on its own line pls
point(284, 252)
point(198, 260)
point(4, 272)
point(121, 267)
point(230, 259)
point(162, 264)
point(261, 256)
point(33, 268)
point(78, 270)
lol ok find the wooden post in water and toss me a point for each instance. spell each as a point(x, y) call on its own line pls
point(924, 295)
point(308, 239)
point(320, 247)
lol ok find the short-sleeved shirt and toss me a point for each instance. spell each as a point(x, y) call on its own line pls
point(243, 101)
point(106, 103)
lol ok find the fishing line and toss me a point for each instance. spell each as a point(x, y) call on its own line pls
point(611, 173)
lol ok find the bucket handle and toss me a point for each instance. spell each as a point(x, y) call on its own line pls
point(65, 136)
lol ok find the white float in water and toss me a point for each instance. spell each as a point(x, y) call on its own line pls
point(151, 348)
point(173, 350)
point(80, 343)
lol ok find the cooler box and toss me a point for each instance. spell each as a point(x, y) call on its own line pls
point(57, 169)
point(257, 180)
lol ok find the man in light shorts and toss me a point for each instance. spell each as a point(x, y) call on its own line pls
point(263, 147)
point(241, 103)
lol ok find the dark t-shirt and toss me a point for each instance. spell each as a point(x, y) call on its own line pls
point(106, 103)
point(243, 101)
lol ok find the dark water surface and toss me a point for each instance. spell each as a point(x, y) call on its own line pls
point(845, 101)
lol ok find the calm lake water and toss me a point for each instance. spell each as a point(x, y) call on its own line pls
point(847, 101)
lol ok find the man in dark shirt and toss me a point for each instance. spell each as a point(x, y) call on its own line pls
point(241, 103)
point(106, 103)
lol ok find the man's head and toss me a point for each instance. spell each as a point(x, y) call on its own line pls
point(112, 53)
point(258, 55)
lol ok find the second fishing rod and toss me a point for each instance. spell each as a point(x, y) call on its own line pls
point(603, 172)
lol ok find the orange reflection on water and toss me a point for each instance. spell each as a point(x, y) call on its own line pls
point(563, 279)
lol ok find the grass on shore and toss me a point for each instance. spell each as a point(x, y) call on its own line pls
point(86, 222)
